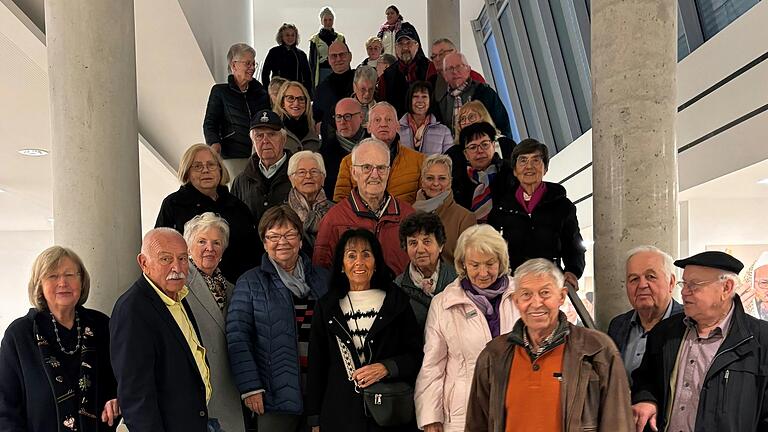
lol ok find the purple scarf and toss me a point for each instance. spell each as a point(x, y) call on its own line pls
point(488, 300)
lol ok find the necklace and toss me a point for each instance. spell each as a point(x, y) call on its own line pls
point(58, 339)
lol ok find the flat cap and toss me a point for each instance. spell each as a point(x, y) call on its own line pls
point(266, 119)
point(713, 259)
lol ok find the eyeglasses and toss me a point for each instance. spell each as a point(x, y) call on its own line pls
point(454, 69)
point(694, 286)
point(761, 283)
point(368, 168)
point(247, 63)
point(209, 166)
point(469, 118)
point(338, 55)
point(292, 99)
point(69, 277)
point(303, 173)
point(405, 42)
point(269, 134)
point(535, 160)
point(441, 54)
point(346, 117)
point(484, 145)
point(289, 236)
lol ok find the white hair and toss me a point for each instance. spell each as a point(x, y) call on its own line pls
point(204, 221)
point(367, 73)
point(669, 265)
point(379, 105)
point(297, 157)
point(481, 238)
point(149, 236)
point(369, 142)
point(539, 266)
point(462, 56)
point(436, 159)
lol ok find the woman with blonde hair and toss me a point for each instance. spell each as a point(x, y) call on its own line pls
point(287, 60)
point(292, 105)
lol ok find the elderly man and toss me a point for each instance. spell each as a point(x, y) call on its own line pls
point(462, 89)
point(264, 182)
point(650, 280)
point(755, 294)
point(405, 163)
point(337, 85)
point(385, 61)
point(704, 370)
point(338, 142)
point(364, 87)
point(441, 48)
point(368, 206)
point(163, 380)
point(547, 374)
point(411, 66)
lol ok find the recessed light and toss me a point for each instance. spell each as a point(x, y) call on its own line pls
point(33, 152)
point(763, 181)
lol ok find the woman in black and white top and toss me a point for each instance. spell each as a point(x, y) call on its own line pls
point(368, 315)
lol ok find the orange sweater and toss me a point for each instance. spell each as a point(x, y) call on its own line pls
point(533, 392)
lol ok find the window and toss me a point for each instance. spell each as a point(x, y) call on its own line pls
point(683, 49)
point(501, 83)
point(715, 15)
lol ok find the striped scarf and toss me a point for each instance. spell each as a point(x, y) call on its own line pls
point(482, 201)
point(457, 102)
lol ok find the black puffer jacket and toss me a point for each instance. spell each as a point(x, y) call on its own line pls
point(245, 248)
point(258, 192)
point(228, 116)
point(551, 231)
point(289, 63)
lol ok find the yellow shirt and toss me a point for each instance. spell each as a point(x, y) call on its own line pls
point(185, 325)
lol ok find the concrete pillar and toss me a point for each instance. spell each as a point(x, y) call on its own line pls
point(443, 21)
point(634, 100)
point(94, 129)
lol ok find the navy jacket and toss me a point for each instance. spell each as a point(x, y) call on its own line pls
point(262, 337)
point(620, 326)
point(158, 383)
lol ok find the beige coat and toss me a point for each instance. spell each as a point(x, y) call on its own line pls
point(455, 219)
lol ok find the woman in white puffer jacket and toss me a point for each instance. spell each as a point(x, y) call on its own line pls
point(462, 319)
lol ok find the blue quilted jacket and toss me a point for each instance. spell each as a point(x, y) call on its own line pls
point(262, 336)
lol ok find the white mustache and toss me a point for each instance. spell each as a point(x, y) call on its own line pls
point(176, 276)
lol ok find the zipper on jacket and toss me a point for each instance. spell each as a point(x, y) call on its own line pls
point(740, 343)
point(725, 390)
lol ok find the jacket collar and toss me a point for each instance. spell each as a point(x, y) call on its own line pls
point(358, 206)
point(736, 344)
point(188, 194)
point(253, 86)
point(253, 172)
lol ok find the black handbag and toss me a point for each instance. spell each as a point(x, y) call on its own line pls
point(388, 403)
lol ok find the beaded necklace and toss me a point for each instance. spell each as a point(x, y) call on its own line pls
point(58, 339)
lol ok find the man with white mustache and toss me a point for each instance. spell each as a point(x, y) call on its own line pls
point(163, 380)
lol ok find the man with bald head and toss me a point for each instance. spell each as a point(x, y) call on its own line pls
point(405, 163)
point(335, 86)
point(462, 89)
point(163, 380)
point(368, 206)
point(339, 141)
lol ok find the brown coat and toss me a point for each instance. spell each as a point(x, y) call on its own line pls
point(455, 219)
point(403, 177)
point(595, 394)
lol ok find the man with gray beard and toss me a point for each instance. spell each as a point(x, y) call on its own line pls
point(163, 381)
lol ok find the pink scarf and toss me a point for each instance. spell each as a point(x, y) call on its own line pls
point(529, 202)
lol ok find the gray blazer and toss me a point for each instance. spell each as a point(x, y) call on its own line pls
point(225, 399)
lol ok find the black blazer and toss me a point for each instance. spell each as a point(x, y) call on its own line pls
point(619, 327)
point(158, 384)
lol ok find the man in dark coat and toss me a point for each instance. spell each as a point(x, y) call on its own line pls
point(264, 182)
point(157, 355)
point(339, 141)
point(412, 65)
point(705, 370)
point(650, 280)
point(337, 85)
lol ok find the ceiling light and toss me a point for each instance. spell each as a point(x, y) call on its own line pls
point(33, 152)
point(763, 181)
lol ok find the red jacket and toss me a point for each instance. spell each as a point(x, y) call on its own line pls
point(351, 213)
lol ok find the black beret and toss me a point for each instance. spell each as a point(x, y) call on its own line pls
point(713, 259)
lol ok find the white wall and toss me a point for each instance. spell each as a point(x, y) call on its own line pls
point(726, 222)
point(16, 256)
point(470, 10)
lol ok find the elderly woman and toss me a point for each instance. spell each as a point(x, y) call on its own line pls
point(319, 44)
point(422, 235)
point(389, 28)
point(474, 182)
point(374, 49)
point(203, 179)
point(471, 311)
point(207, 237)
point(292, 103)
point(474, 112)
point(419, 128)
point(364, 88)
point(523, 201)
point(560, 376)
point(55, 373)
point(362, 334)
point(286, 60)
point(268, 324)
point(228, 115)
point(307, 197)
point(436, 196)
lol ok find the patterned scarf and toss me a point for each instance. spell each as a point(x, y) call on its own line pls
point(310, 215)
point(349, 143)
point(417, 130)
point(482, 202)
point(76, 401)
point(427, 284)
point(457, 102)
point(390, 27)
point(217, 284)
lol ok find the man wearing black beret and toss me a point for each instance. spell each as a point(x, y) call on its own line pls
point(705, 370)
